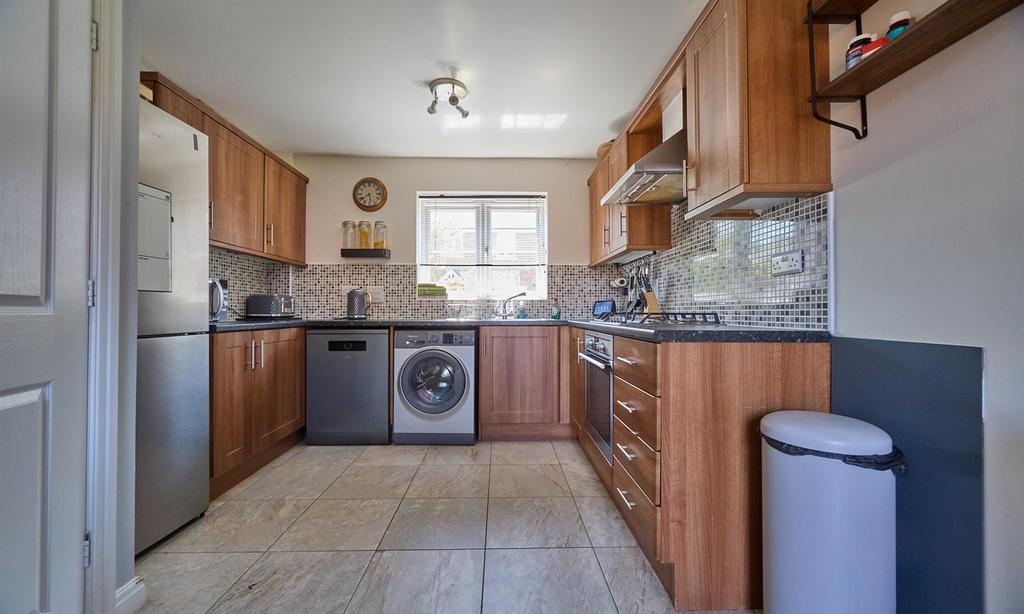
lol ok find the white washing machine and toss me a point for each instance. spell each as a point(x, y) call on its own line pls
point(434, 387)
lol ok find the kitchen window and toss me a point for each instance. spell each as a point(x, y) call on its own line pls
point(483, 246)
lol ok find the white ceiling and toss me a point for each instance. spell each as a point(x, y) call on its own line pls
point(547, 78)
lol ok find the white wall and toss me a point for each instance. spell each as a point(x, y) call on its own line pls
point(929, 217)
point(329, 198)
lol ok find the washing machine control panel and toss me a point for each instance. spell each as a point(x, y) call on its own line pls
point(421, 338)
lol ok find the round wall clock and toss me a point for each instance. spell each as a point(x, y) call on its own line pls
point(369, 194)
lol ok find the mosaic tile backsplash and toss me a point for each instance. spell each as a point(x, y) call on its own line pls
point(713, 265)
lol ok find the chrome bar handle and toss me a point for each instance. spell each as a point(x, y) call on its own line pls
point(625, 452)
point(597, 363)
point(626, 406)
point(626, 360)
point(579, 349)
point(261, 352)
point(252, 355)
point(629, 504)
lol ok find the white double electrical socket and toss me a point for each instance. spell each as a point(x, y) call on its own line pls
point(788, 263)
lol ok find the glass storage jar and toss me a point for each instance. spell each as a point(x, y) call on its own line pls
point(348, 234)
point(364, 235)
point(380, 235)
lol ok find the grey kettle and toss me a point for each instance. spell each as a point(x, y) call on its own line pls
point(358, 301)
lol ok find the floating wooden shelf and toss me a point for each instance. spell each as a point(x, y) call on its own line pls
point(948, 23)
point(355, 252)
point(839, 11)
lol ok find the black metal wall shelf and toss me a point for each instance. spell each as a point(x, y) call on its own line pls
point(355, 252)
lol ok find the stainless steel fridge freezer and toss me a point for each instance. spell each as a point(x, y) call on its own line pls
point(172, 446)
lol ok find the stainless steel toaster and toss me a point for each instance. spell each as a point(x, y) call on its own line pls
point(270, 306)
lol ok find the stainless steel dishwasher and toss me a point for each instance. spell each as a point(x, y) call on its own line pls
point(347, 387)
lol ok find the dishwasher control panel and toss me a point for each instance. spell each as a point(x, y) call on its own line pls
point(423, 338)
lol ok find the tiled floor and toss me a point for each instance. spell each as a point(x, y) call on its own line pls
point(503, 527)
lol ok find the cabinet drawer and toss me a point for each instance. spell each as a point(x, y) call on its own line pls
point(640, 514)
point(640, 462)
point(639, 411)
point(636, 362)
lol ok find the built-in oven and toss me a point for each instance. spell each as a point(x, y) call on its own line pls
point(597, 356)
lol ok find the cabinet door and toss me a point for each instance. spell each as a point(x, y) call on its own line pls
point(284, 207)
point(230, 394)
point(714, 105)
point(518, 375)
point(168, 100)
point(615, 215)
point(278, 384)
point(577, 370)
point(236, 188)
point(599, 231)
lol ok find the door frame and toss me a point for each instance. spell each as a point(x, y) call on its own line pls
point(112, 320)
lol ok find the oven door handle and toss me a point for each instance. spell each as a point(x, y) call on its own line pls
point(597, 363)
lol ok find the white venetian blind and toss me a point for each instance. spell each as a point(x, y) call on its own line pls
point(483, 246)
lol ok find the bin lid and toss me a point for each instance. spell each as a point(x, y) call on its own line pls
point(826, 432)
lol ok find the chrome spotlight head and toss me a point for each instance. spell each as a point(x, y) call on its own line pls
point(433, 107)
point(463, 112)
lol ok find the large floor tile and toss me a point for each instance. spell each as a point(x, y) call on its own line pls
point(289, 582)
point(605, 525)
point(421, 581)
point(392, 455)
point(523, 453)
point(548, 522)
point(634, 585)
point(290, 452)
point(479, 454)
point(372, 482)
point(449, 481)
point(339, 525)
point(528, 481)
point(187, 583)
point(324, 456)
point(545, 580)
point(287, 481)
point(436, 524)
point(238, 526)
point(583, 481)
point(569, 452)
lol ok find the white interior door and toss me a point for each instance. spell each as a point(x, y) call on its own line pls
point(44, 223)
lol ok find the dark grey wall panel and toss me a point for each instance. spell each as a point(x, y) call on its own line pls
point(929, 398)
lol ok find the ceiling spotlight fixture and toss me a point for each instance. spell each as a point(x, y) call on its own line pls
point(456, 91)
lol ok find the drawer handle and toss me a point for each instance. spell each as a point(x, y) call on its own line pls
point(629, 504)
point(625, 452)
point(629, 362)
point(626, 406)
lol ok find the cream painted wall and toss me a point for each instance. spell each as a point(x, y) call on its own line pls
point(929, 240)
point(329, 198)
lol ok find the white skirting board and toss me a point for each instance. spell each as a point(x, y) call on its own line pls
point(131, 597)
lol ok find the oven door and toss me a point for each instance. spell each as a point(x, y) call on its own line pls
point(598, 402)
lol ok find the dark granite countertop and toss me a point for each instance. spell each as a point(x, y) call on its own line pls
point(645, 332)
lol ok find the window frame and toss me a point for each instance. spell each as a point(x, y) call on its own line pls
point(483, 249)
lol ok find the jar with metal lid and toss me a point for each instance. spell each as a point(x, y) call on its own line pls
point(364, 235)
point(380, 235)
point(348, 234)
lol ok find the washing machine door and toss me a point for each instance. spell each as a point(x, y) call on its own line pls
point(433, 382)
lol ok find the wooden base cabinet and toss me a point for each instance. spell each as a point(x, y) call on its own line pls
point(518, 383)
point(257, 399)
point(686, 468)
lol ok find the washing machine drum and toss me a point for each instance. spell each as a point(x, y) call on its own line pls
point(433, 382)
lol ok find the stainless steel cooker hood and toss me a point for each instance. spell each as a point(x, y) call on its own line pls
point(658, 178)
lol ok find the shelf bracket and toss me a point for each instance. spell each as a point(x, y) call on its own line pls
point(815, 99)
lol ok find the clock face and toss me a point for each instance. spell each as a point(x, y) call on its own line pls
point(370, 194)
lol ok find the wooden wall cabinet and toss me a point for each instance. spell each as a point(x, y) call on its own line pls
point(257, 399)
point(257, 200)
point(751, 137)
point(518, 383)
point(617, 232)
point(284, 212)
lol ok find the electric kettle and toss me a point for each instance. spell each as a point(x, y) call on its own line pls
point(358, 302)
